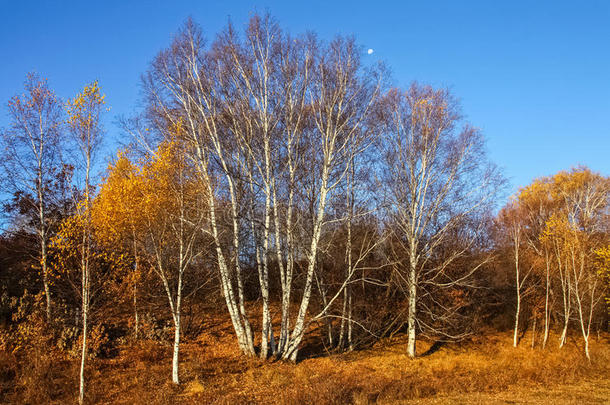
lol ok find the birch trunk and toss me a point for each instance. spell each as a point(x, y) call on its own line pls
point(243, 316)
point(585, 322)
point(518, 283)
point(411, 317)
point(534, 333)
point(546, 300)
point(350, 342)
point(177, 332)
point(136, 317)
point(286, 272)
point(227, 288)
point(564, 276)
point(81, 389)
point(86, 245)
point(43, 239)
point(299, 328)
point(347, 296)
point(267, 329)
point(45, 279)
point(85, 313)
point(175, 357)
point(340, 343)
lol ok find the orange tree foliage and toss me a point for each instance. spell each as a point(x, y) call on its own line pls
point(567, 222)
point(115, 214)
point(106, 267)
point(140, 201)
point(578, 210)
point(567, 209)
point(564, 217)
point(68, 254)
point(603, 268)
point(146, 205)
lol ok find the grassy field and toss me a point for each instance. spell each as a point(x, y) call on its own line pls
point(480, 371)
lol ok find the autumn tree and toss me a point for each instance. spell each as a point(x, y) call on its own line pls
point(157, 203)
point(563, 223)
point(117, 218)
point(84, 112)
point(512, 220)
point(440, 187)
point(603, 268)
point(536, 203)
point(576, 230)
point(32, 169)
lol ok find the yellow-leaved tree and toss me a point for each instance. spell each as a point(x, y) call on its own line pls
point(157, 204)
point(84, 112)
point(537, 205)
point(603, 270)
point(575, 230)
point(563, 231)
point(117, 219)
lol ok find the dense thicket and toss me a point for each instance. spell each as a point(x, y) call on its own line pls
point(283, 179)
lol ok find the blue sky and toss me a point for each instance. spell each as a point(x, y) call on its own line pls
point(533, 75)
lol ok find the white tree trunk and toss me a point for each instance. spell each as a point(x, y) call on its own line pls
point(43, 232)
point(411, 317)
point(534, 333)
point(81, 390)
point(517, 311)
point(227, 288)
point(85, 250)
point(175, 357)
point(299, 328)
point(136, 317)
point(45, 281)
point(566, 288)
point(546, 302)
point(580, 295)
point(517, 241)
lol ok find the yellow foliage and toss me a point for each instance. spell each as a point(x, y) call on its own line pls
point(603, 269)
point(82, 108)
point(67, 244)
point(136, 196)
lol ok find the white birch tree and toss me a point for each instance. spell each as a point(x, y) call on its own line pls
point(439, 185)
point(84, 113)
point(31, 163)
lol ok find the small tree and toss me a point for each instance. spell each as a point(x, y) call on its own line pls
point(117, 218)
point(84, 112)
point(31, 164)
point(439, 188)
point(603, 269)
point(577, 228)
point(158, 203)
point(512, 221)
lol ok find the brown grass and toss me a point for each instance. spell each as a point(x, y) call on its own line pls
point(487, 370)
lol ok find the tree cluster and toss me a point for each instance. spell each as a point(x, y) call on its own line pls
point(557, 231)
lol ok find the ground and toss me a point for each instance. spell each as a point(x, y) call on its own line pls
point(486, 370)
point(583, 392)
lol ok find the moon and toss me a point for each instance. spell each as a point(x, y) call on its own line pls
point(370, 51)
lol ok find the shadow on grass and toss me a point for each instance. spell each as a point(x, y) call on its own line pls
point(436, 346)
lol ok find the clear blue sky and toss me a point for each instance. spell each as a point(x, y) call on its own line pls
point(534, 75)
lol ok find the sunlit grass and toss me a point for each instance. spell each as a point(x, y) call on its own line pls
point(213, 371)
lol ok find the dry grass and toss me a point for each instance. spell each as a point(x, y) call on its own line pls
point(488, 370)
point(578, 393)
